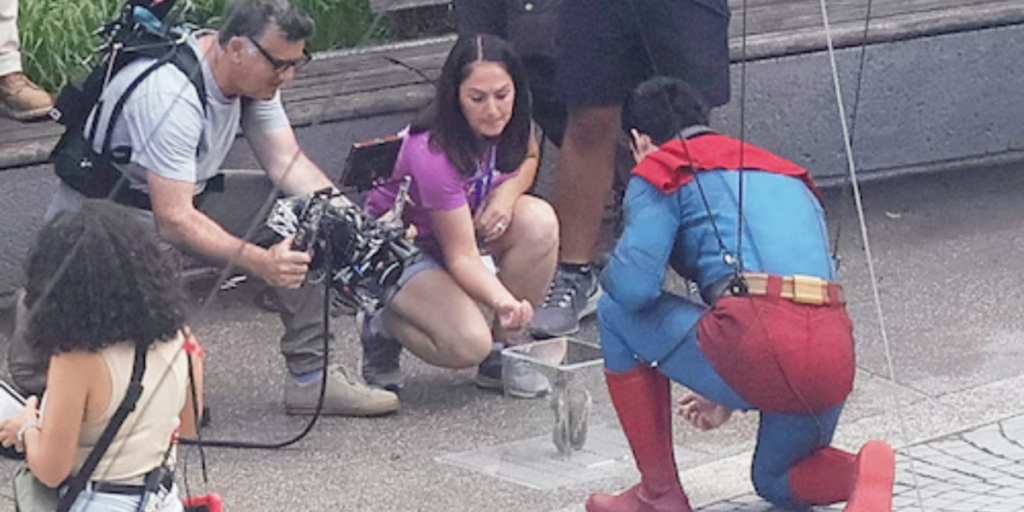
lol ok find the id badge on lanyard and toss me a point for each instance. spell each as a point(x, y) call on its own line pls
point(483, 183)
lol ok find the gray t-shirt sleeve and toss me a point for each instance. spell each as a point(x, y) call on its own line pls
point(165, 129)
point(263, 115)
point(162, 122)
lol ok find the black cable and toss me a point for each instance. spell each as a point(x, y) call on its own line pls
point(711, 218)
point(410, 67)
point(733, 260)
point(196, 413)
point(252, 445)
point(738, 281)
point(184, 475)
point(326, 315)
point(122, 182)
point(215, 443)
point(743, 145)
point(862, 59)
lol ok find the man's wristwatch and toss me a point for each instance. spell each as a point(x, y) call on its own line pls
point(25, 428)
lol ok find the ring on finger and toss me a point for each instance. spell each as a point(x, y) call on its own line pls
point(500, 226)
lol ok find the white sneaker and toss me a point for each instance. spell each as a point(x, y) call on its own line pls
point(344, 396)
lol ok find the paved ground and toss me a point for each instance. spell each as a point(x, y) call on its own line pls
point(945, 251)
point(977, 470)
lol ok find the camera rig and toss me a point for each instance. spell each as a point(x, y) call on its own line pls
point(359, 257)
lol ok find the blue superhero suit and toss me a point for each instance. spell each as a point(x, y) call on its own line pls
point(793, 361)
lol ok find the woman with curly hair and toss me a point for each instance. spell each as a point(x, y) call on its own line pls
point(99, 285)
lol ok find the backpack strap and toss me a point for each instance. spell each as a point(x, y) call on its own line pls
point(188, 62)
point(76, 484)
point(183, 58)
point(139, 32)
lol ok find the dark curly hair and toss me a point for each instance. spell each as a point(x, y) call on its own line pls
point(663, 106)
point(97, 277)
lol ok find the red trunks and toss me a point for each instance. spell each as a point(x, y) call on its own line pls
point(781, 356)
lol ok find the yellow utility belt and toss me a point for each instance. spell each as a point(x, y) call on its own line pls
point(800, 289)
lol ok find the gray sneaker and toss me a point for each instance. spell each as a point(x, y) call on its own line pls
point(522, 380)
point(381, 365)
point(572, 297)
point(515, 377)
point(343, 397)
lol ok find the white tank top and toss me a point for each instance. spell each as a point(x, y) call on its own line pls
point(143, 439)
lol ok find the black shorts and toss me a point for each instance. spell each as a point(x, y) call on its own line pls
point(607, 47)
point(548, 111)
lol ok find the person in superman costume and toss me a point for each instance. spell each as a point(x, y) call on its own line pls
point(773, 334)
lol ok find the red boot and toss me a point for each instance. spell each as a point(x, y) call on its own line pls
point(643, 400)
point(863, 481)
point(876, 474)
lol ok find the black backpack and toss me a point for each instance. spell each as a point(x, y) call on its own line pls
point(144, 29)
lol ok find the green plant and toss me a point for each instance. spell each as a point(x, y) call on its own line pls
point(58, 36)
point(339, 23)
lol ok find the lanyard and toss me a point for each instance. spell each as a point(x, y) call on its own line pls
point(484, 181)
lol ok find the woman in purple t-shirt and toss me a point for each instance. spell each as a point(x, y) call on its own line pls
point(470, 156)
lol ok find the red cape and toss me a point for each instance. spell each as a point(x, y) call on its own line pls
point(668, 168)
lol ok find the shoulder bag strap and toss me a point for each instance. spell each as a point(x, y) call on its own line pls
point(77, 483)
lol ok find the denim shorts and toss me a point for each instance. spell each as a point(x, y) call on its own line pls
point(89, 501)
point(424, 263)
point(429, 262)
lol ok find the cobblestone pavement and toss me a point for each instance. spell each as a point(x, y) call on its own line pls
point(978, 470)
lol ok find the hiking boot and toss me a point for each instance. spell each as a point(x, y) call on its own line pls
point(515, 377)
point(343, 396)
point(381, 365)
point(572, 297)
point(22, 99)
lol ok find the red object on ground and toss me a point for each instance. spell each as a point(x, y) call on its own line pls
point(204, 503)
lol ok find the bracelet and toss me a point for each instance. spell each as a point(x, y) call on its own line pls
point(25, 428)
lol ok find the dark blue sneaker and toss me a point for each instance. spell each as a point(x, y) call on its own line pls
point(572, 297)
point(488, 372)
point(381, 365)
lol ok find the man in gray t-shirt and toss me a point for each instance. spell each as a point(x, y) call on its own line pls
point(177, 146)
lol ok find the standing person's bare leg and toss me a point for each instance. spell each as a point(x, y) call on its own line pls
point(584, 180)
point(585, 167)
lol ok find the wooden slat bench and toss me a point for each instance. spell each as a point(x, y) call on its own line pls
point(379, 80)
point(379, 6)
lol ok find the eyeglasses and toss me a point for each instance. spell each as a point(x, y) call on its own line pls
point(280, 65)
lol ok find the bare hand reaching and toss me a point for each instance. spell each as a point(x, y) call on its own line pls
point(701, 412)
point(514, 315)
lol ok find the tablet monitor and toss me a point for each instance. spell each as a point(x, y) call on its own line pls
point(370, 162)
point(11, 401)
